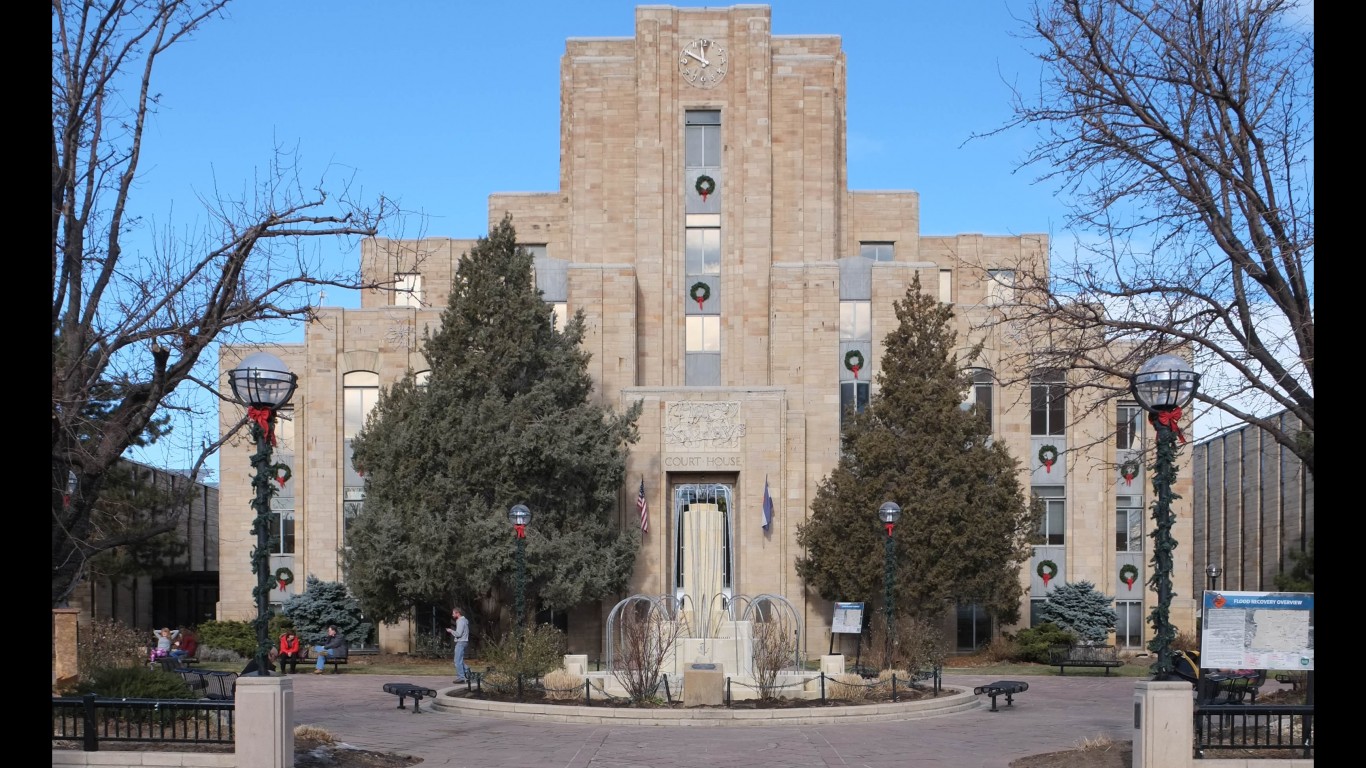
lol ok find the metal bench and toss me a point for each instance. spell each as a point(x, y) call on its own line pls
point(1006, 688)
point(1063, 656)
point(405, 690)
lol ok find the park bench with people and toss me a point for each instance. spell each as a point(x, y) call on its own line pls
point(1063, 656)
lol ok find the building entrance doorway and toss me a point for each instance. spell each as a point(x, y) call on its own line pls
point(704, 550)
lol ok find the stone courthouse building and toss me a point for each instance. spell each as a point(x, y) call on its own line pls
point(733, 283)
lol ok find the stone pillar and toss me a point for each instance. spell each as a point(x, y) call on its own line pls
point(265, 722)
point(65, 656)
point(576, 664)
point(1164, 724)
point(832, 664)
point(704, 685)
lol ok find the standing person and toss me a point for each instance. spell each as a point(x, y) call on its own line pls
point(289, 651)
point(461, 633)
point(335, 647)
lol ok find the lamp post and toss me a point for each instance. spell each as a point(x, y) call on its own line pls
point(263, 384)
point(1163, 386)
point(520, 517)
point(889, 513)
point(1213, 573)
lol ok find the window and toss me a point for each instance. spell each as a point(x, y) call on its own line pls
point(704, 560)
point(946, 286)
point(1000, 286)
point(559, 314)
point(974, 627)
point(1128, 427)
point(702, 138)
point(1047, 404)
point(979, 394)
point(856, 323)
point(537, 250)
point(853, 395)
point(1035, 606)
point(1129, 519)
point(876, 251)
point(702, 247)
point(408, 289)
point(282, 504)
point(1054, 521)
point(1129, 624)
point(360, 392)
point(704, 333)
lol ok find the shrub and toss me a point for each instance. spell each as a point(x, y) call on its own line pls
point(236, 636)
point(1031, 643)
point(917, 644)
point(1081, 609)
point(1000, 649)
point(562, 686)
point(136, 682)
point(431, 647)
point(531, 654)
point(324, 604)
point(210, 653)
point(499, 682)
point(109, 644)
point(1185, 641)
point(847, 687)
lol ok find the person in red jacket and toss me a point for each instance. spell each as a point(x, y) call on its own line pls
point(289, 652)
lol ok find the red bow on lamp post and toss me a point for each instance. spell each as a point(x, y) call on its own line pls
point(1170, 419)
point(265, 419)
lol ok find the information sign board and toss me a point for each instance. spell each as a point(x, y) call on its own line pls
point(848, 619)
point(1257, 630)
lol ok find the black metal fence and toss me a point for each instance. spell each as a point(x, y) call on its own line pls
point(1261, 728)
point(90, 720)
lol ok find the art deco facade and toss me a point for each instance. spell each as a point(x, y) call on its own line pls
point(733, 283)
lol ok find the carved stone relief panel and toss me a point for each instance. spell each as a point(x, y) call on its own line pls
point(695, 426)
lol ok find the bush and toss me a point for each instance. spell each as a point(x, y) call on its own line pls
point(108, 644)
point(324, 604)
point(137, 682)
point(212, 654)
point(562, 686)
point(847, 687)
point(1031, 644)
point(499, 682)
point(432, 647)
point(1000, 649)
point(1081, 609)
point(541, 649)
point(1185, 641)
point(236, 636)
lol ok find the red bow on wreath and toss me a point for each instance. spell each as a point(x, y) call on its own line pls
point(265, 419)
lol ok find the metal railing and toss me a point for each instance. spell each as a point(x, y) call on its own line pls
point(90, 720)
point(1255, 727)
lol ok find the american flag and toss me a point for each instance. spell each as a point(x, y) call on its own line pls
point(644, 508)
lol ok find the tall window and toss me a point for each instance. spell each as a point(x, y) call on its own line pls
point(702, 247)
point(408, 289)
point(1000, 286)
point(979, 395)
point(704, 333)
point(360, 392)
point(1128, 426)
point(1129, 626)
point(876, 251)
point(702, 244)
point(1047, 404)
point(856, 332)
point(282, 504)
point(1129, 519)
point(1054, 522)
point(946, 285)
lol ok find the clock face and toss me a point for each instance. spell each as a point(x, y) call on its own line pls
point(702, 62)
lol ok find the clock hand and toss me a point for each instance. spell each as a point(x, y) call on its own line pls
point(695, 56)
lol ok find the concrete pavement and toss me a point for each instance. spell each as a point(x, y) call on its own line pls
point(1054, 714)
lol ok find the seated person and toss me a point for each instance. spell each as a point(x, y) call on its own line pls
point(333, 647)
point(165, 638)
point(290, 652)
point(185, 645)
point(252, 668)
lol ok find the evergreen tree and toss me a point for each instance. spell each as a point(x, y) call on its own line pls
point(505, 417)
point(325, 604)
point(1080, 609)
point(965, 519)
point(1300, 577)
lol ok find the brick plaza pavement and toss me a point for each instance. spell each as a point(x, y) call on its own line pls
point(1054, 714)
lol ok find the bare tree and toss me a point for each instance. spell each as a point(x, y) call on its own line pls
point(131, 325)
point(645, 636)
point(775, 649)
point(1180, 133)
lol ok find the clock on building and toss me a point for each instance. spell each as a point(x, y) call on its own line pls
point(702, 62)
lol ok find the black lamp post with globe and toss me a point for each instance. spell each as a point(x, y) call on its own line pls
point(889, 513)
point(1163, 386)
point(263, 384)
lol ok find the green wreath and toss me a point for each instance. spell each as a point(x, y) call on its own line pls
point(705, 185)
point(284, 576)
point(1129, 470)
point(699, 292)
point(853, 360)
point(1128, 574)
point(1048, 455)
point(1047, 569)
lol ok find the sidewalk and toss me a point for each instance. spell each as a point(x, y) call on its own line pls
point(1054, 714)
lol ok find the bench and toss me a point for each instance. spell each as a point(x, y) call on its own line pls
point(337, 663)
point(1226, 688)
point(1063, 656)
point(405, 690)
point(1006, 688)
point(1292, 679)
point(220, 686)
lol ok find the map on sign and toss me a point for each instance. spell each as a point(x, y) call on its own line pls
point(848, 619)
point(1258, 630)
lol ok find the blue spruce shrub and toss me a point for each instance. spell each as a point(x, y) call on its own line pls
point(1081, 610)
point(324, 603)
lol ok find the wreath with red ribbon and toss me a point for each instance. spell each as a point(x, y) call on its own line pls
point(284, 576)
point(1129, 470)
point(1048, 455)
point(1128, 574)
point(699, 292)
point(853, 360)
point(282, 473)
point(705, 185)
point(1047, 570)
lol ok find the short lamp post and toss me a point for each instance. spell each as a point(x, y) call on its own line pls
point(263, 384)
point(1163, 386)
point(520, 517)
point(889, 513)
point(1213, 573)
